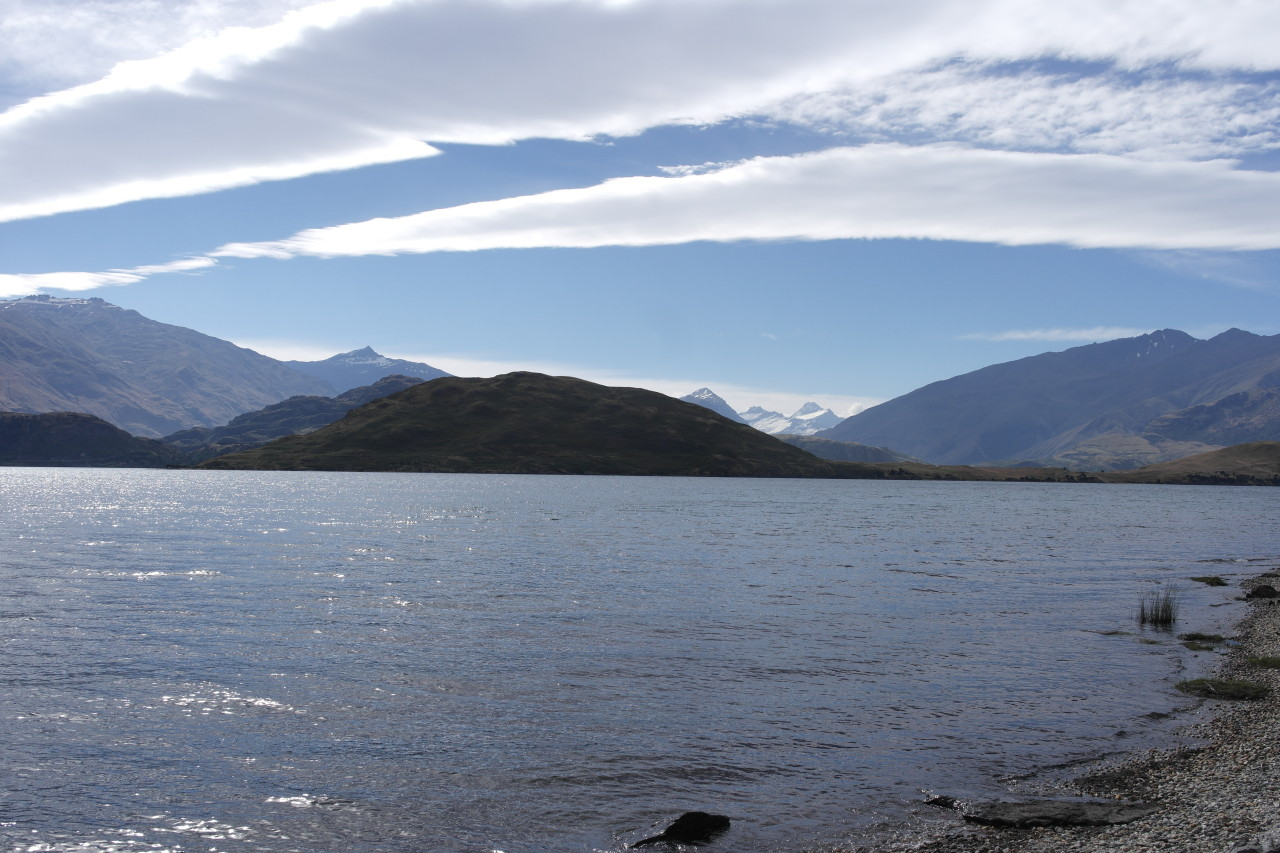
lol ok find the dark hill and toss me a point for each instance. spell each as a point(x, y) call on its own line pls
point(529, 423)
point(149, 378)
point(77, 440)
point(292, 416)
point(1178, 394)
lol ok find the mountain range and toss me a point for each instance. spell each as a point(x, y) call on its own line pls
point(150, 378)
point(807, 420)
point(1106, 406)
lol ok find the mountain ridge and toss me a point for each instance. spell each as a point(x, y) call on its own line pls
point(146, 377)
point(1044, 407)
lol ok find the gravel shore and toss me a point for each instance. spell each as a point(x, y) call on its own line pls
point(1220, 796)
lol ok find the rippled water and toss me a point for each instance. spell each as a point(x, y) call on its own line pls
point(219, 661)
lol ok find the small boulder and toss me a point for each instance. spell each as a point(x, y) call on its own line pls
point(1263, 591)
point(689, 828)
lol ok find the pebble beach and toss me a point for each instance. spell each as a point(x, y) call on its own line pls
point(1221, 795)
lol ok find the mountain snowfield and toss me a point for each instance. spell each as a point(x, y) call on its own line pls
point(807, 420)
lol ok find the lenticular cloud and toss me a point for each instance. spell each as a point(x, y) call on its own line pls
point(877, 191)
point(348, 83)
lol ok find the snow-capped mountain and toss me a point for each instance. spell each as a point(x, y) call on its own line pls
point(806, 420)
point(363, 367)
point(709, 399)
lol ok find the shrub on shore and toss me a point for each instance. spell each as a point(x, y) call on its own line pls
point(1222, 688)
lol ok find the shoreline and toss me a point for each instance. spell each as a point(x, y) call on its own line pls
point(1219, 796)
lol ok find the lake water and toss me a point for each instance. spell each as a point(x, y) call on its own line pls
point(250, 661)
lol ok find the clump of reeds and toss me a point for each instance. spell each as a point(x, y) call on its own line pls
point(1158, 607)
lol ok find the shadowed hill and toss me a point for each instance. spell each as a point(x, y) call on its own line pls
point(295, 415)
point(529, 423)
point(74, 439)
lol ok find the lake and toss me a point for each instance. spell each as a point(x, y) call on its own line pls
point(255, 661)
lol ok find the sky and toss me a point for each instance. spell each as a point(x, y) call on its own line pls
point(781, 200)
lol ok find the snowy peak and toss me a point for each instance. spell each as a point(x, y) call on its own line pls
point(806, 420)
point(361, 367)
point(709, 399)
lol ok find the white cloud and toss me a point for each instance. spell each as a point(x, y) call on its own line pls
point(1097, 333)
point(20, 284)
point(877, 191)
point(872, 192)
point(354, 82)
point(25, 284)
point(1162, 114)
point(57, 43)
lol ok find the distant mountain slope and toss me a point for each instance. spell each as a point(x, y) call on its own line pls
point(289, 417)
point(149, 378)
point(1048, 406)
point(77, 440)
point(709, 399)
point(809, 419)
point(363, 367)
point(844, 451)
point(1252, 463)
point(528, 423)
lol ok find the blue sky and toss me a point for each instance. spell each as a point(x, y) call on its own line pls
point(783, 200)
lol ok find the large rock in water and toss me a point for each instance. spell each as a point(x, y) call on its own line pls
point(529, 423)
point(690, 828)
